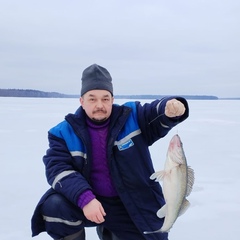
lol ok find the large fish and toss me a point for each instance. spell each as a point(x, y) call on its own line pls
point(178, 180)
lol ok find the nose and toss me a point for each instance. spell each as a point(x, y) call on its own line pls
point(99, 104)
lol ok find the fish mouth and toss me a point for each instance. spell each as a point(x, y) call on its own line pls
point(176, 140)
point(175, 143)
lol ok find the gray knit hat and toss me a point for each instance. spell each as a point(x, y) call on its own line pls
point(96, 77)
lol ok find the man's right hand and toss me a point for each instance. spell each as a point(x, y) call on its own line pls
point(94, 211)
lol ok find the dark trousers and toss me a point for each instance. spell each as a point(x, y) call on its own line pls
point(62, 218)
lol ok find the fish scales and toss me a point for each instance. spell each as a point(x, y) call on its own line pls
point(178, 180)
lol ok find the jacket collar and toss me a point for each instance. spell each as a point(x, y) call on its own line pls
point(118, 118)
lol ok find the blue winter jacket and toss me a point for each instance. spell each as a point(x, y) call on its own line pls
point(132, 130)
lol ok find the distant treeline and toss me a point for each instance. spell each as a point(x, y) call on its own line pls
point(30, 93)
point(202, 97)
point(42, 94)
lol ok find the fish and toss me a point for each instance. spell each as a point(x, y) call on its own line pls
point(177, 183)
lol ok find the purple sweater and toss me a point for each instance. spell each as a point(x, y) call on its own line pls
point(100, 175)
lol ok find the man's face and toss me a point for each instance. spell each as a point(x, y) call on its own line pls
point(97, 104)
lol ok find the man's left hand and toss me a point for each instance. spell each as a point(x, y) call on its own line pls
point(174, 108)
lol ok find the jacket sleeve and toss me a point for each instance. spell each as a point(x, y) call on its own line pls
point(154, 123)
point(61, 172)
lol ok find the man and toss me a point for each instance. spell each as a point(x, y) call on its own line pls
point(98, 165)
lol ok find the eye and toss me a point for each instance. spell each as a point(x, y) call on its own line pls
point(105, 99)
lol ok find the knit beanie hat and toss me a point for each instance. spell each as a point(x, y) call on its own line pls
point(96, 77)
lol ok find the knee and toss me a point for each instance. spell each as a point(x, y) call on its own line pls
point(53, 204)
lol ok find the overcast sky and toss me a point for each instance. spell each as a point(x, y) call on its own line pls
point(148, 46)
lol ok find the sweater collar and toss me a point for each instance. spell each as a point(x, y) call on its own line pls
point(94, 124)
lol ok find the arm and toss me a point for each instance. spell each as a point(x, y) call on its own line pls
point(62, 175)
point(157, 118)
point(66, 180)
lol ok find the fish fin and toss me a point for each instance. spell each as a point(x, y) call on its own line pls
point(184, 207)
point(190, 182)
point(179, 160)
point(158, 176)
point(161, 213)
point(150, 232)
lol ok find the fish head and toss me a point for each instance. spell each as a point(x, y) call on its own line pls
point(175, 143)
point(175, 150)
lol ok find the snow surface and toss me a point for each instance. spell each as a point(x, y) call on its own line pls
point(210, 138)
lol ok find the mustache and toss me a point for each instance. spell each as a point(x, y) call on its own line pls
point(100, 111)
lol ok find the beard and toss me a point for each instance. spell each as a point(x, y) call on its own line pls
point(99, 120)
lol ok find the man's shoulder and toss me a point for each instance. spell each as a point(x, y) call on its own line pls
point(130, 104)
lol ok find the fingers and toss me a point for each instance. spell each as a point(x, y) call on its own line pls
point(174, 108)
point(94, 211)
point(102, 211)
point(99, 218)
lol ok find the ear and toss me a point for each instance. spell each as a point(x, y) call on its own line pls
point(81, 100)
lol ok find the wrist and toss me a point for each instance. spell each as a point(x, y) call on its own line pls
point(84, 198)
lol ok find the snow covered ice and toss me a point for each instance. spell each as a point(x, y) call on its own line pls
point(210, 139)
